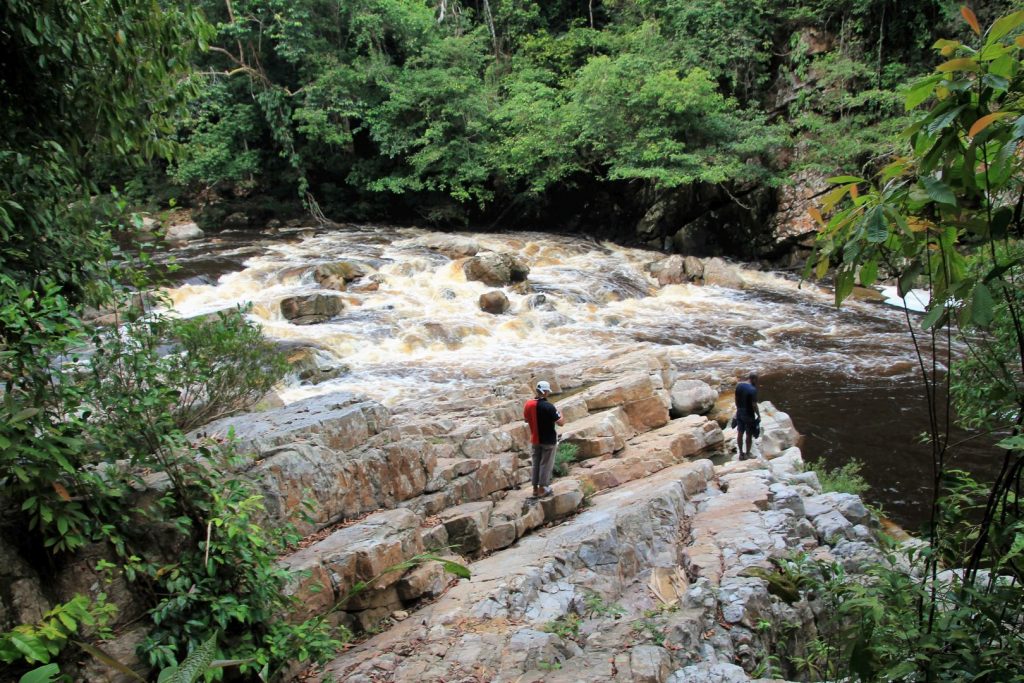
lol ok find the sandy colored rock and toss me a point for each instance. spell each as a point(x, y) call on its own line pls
point(691, 396)
point(600, 434)
point(183, 232)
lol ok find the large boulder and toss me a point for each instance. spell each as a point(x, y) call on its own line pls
point(494, 302)
point(311, 308)
point(668, 271)
point(691, 396)
point(338, 275)
point(777, 430)
point(183, 232)
point(718, 272)
point(495, 270)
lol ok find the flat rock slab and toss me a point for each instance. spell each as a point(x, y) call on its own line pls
point(336, 421)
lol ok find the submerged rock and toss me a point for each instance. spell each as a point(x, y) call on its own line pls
point(494, 302)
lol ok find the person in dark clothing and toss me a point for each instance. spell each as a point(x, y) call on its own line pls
point(542, 416)
point(748, 417)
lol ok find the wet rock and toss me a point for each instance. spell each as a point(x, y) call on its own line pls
point(494, 302)
point(314, 366)
point(668, 271)
point(338, 274)
point(149, 224)
point(693, 268)
point(495, 270)
point(539, 302)
point(718, 272)
point(310, 309)
point(452, 246)
point(236, 221)
point(183, 232)
point(691, 396)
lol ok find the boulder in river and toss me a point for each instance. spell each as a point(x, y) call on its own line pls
point(310, 309)
point(718, 272)
point(495, 270)
point(314, 366)
point(494, 302)
point(183, 232)
point(337, 275)
point(668, 271)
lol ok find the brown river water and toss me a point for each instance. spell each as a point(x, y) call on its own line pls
point(847, 377)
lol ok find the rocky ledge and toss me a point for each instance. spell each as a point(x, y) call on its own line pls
point(668, 577)
point(649, 562)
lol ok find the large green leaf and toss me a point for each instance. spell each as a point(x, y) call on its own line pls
point(44, 674)
point(920, 91)
point(1003, 25)
point(196, 664)
point(938, 191)
point(876, 228)
point(982, 308)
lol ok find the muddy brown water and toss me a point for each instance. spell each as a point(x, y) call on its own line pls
point(847, 377)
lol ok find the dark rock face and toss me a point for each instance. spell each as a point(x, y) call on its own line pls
point(494, 302)
point(495, 270)
point(311, 309)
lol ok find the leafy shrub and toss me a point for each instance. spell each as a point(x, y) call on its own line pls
point(565, 456)
point(39, 643)
point(843, 479)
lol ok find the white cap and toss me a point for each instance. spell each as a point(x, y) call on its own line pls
point(544, 387)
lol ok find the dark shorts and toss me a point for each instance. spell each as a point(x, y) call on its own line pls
point(752, 425)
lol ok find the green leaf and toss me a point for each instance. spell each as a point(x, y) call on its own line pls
point(938, 191)
point(944, 119)
point(868, 273)
point(1003, 25)
point(44, 674)
point(936, 315)
point(196, 664)
point(30, 647)
point(845, 180)
point(455, 568)
point(876, 229)
point(982, 307)
point(920, 91)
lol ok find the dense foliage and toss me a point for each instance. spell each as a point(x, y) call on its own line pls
point(454, 110)
point(948, 217)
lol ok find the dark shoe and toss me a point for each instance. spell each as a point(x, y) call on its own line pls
point(546, 492)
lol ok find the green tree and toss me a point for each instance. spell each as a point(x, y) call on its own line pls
point(960, 192)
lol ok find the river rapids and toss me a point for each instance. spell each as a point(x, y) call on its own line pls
point(845, 375)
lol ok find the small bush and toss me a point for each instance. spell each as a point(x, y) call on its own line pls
point(844, 479)
point(565, 456)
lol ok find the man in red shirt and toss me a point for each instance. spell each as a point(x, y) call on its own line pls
point(542, 416)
